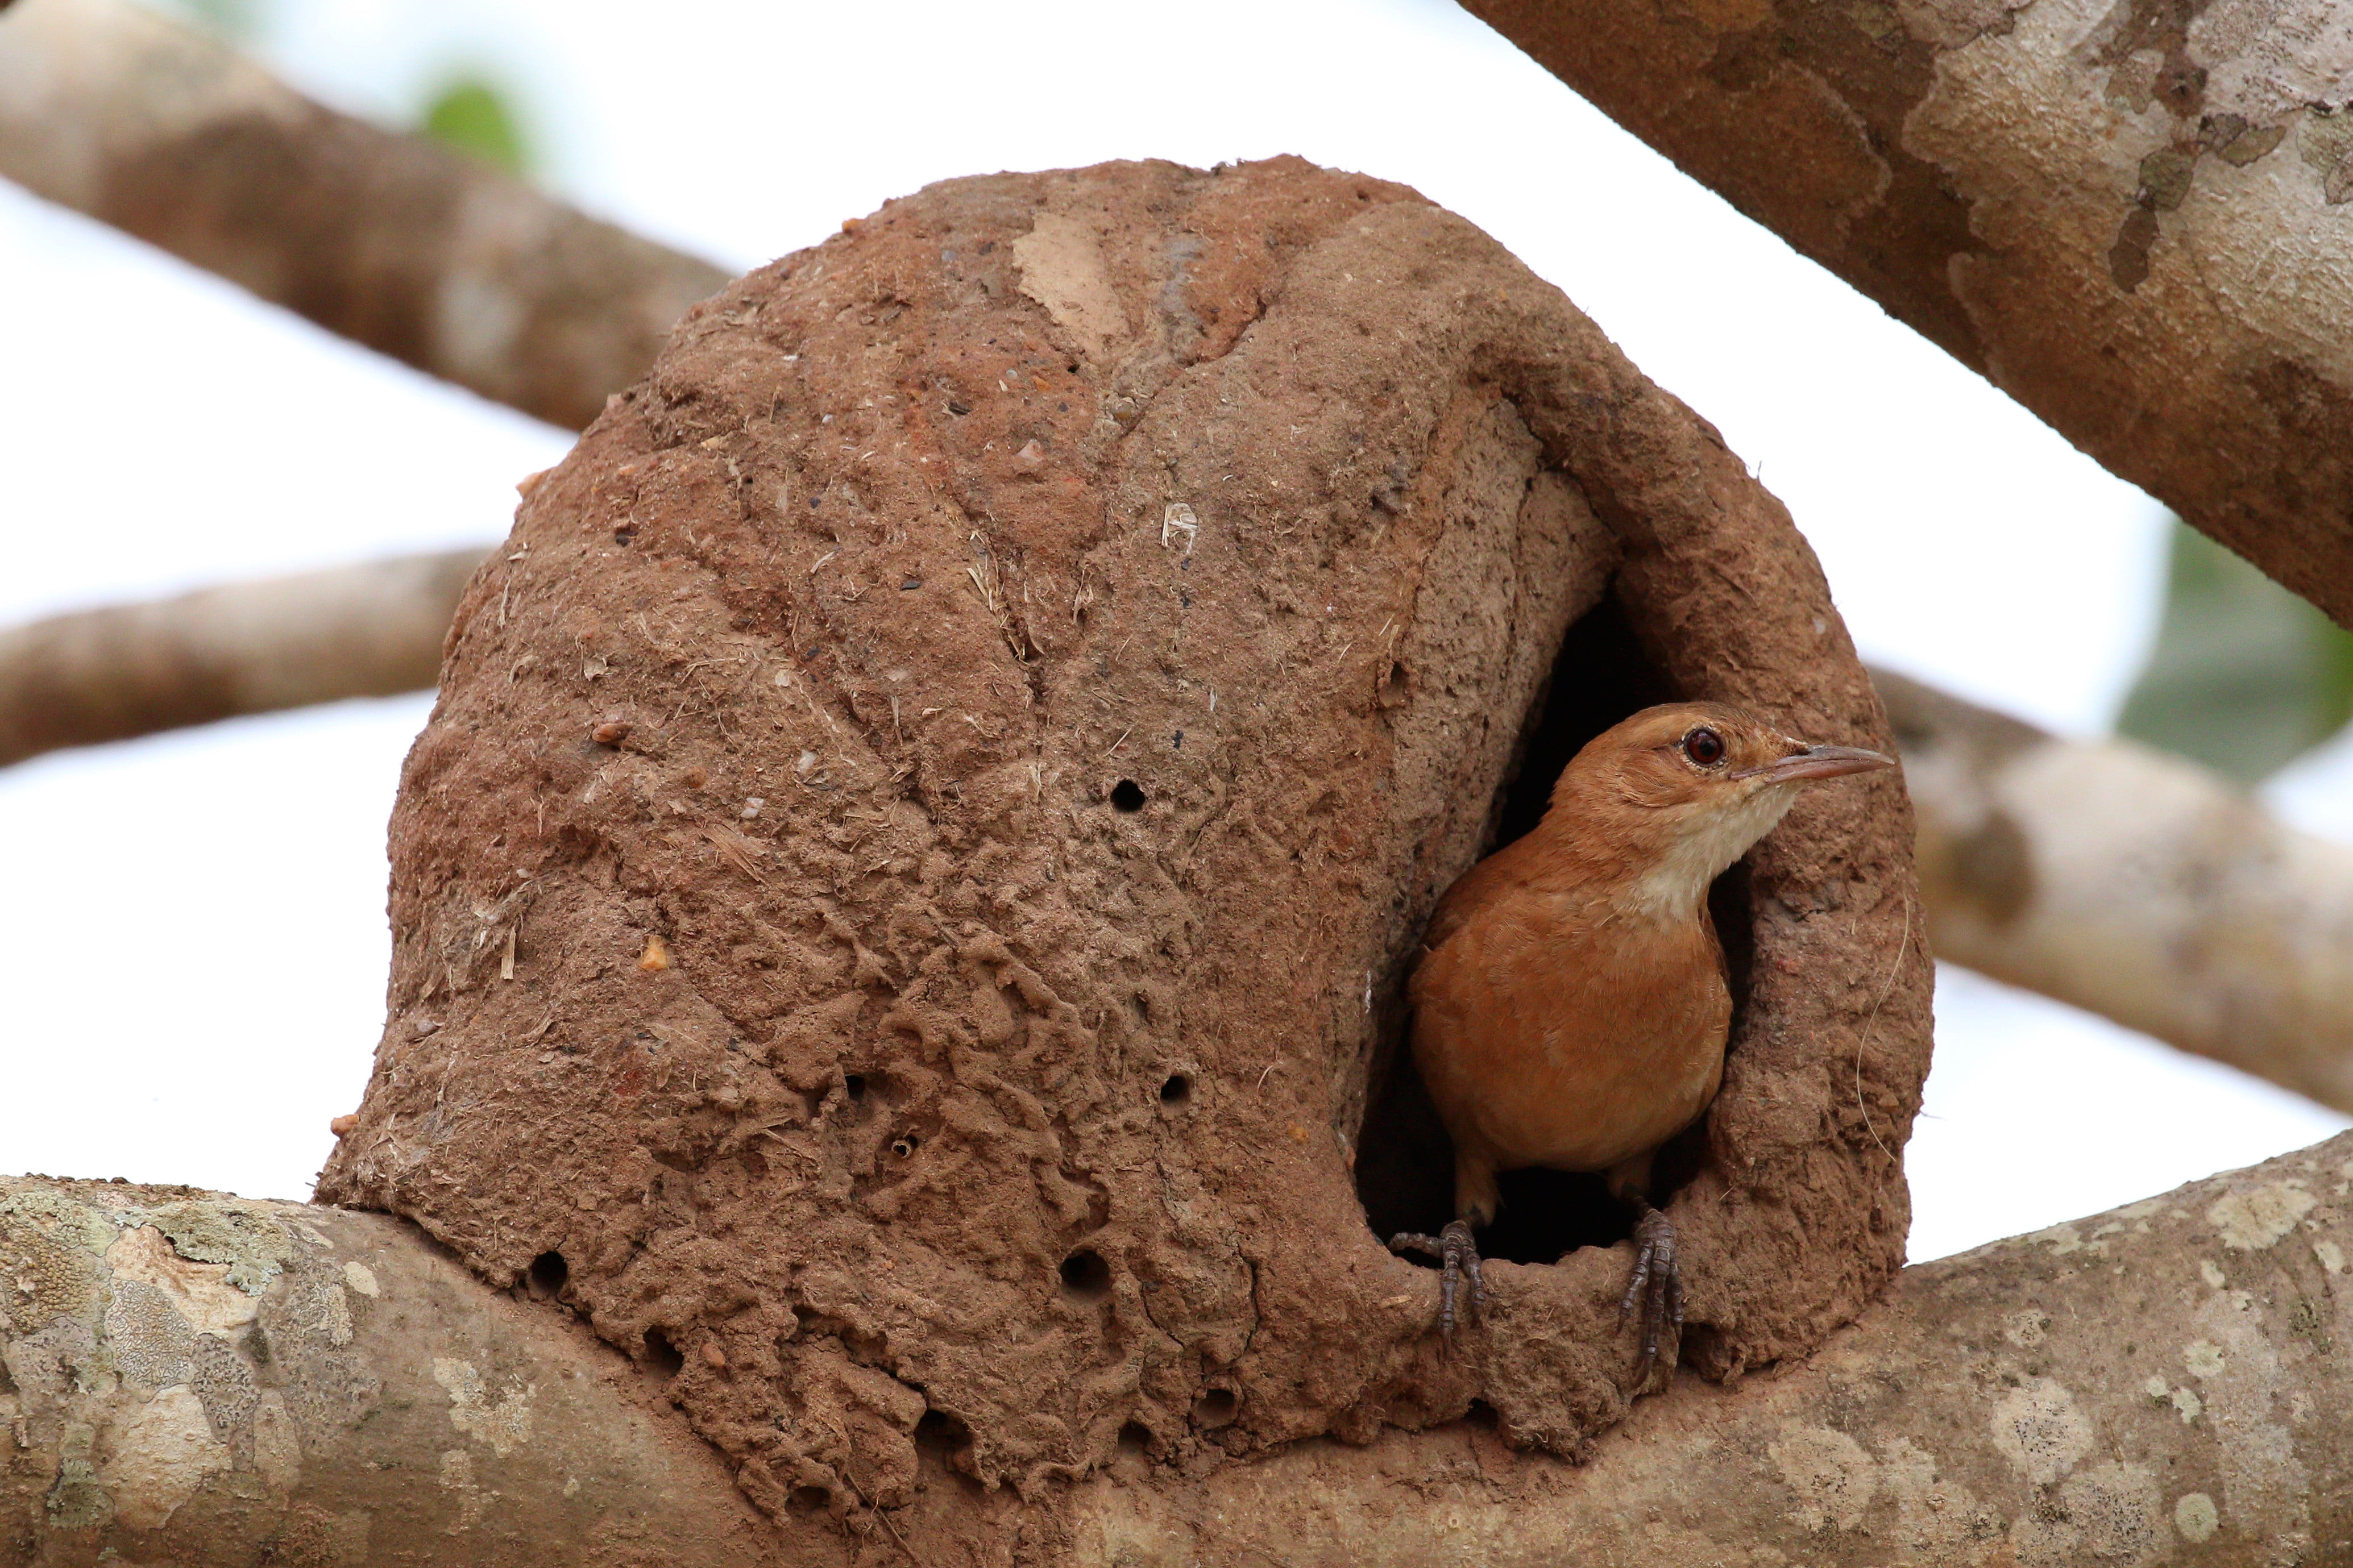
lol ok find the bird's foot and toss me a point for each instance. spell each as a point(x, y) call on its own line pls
point(1458, 1256)
point(1656, 1284)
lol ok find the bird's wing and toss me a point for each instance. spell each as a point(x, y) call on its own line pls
point(1498, 877)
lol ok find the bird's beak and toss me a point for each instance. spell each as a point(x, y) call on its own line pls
point(1818, 763)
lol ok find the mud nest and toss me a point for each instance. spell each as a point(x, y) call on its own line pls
point(902, 908)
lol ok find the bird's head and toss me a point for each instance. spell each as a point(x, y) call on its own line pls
point(1677, 793)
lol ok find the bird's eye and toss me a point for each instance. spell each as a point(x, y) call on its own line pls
point(1703, 746)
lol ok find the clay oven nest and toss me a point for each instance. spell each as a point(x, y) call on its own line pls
point(903, 904)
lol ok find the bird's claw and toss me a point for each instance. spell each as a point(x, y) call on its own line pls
point(1458, 1256)
point(1656, 1283)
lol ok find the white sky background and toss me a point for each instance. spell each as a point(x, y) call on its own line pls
point(196, 922)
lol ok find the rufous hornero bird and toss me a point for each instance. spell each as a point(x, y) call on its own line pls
point(1571, 1006)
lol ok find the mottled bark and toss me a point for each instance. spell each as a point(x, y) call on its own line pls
point(392, 240)
point(191, 1378)
point(196, 1379)
point(2135, 885)
point(2167, 1382)
point(251, 647)
point(2130, 215)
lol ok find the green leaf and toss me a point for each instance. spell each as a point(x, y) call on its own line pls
point(240, 21)
point(2245, 676)
point(473, 116)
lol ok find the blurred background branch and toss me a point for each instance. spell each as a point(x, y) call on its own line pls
point(401, 243)
point(111, 674)
point(2132, 884)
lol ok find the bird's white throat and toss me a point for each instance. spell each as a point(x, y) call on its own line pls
point(1674, 888)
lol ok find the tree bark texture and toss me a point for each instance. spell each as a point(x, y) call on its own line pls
point(196, 1379)
point(2167, 1383)
point(908, 884)
point(109, 674)
point(2134, 885)
point(2132, 216)
point(392, 240)
point(205, 1380)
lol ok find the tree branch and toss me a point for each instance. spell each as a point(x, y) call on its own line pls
point(2134, 885)
point(250, 648)
point(193, 1375)
point(2135, 225)
point(392, 240)
point(193, 1378)
point(2164, 1383)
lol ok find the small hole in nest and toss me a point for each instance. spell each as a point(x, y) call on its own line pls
point(1216, 1407)
point(662, 1356)
point(942, 1433)
point(854, 1086)
point(1084, 1273)
point(1176, 1091)
point(624, 533)
point(1135, 1438)
point(810, 1497)
point(548, 1273)
point(906, 1145)
point(1127, 796)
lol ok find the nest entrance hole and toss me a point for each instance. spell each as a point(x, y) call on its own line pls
point(663, 1359)
point(1085, 1274)
point(942, 1434)
point(1405, 1162)
point(547, 1277)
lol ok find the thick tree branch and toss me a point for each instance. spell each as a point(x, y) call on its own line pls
point(195, 1375)
point(392, 240)
point(2134, 885)
point(250, 648)
point(2131, 218)
point(196, 1379)
point(2165, 1382)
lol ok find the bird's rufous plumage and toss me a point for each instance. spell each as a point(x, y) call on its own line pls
point(1570, 1009)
